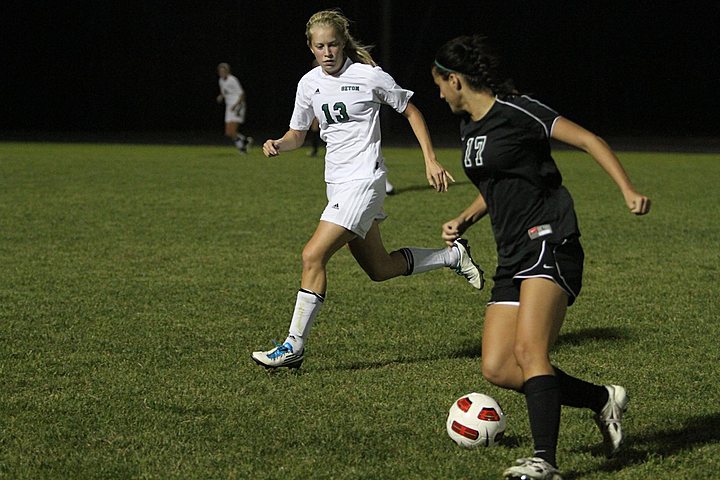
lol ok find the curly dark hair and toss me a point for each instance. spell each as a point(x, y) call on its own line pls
point(471, 57)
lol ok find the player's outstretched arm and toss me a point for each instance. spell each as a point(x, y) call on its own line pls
point(290, 141)
point(436, 174)
point(577, 136)
point(453, 229)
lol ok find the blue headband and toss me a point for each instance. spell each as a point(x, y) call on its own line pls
point(450, 70)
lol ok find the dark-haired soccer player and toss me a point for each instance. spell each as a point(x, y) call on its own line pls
point(506, 154)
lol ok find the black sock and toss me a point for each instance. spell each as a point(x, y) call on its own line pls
point(542, 395)
point(579, 393)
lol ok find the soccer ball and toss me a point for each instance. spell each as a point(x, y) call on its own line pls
point(475, 419)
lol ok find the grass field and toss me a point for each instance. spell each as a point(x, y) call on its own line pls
point(136, 280)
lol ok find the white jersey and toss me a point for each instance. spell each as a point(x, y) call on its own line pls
point(231, 89)
point(347, 106)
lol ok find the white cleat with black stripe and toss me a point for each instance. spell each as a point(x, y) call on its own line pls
point(467, 267)
point(532, 469)
point(610, 417)
point(280, 356)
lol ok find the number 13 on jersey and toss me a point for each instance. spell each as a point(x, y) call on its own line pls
point(476, 145)
point(340, 109)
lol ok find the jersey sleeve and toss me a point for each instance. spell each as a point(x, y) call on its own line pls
point(303, 113)
point(390, 93)
point(541, 112)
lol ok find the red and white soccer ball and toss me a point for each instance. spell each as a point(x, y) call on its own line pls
point(476, 419)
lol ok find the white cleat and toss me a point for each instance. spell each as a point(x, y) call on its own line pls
point(609, 418)
point(532, 469)
point(280, 356)
point(467, 267)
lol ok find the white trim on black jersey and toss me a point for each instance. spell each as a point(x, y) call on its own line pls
point(547, 133)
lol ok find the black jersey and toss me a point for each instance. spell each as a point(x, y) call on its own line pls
point(507, 156)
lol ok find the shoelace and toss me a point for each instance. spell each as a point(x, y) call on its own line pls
point(281, 349)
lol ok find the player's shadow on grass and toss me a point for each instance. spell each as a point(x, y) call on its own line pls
point(588, 335)
point(644, 446)
point(471, 349)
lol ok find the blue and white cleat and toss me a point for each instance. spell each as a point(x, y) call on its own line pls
point(280, 356)
point(467, 267)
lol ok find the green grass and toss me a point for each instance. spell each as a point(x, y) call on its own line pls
point(137, 279)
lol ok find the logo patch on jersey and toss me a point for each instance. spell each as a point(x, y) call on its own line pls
point(539, 231)
point(350, 88)
point(317, 90)
point(336, 206)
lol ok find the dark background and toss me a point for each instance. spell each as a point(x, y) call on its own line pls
point(132, 70)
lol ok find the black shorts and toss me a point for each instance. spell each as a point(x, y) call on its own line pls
point(560, 262)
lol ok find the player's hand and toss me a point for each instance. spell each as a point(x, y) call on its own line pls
point(271, 148)
point(219, 99)
point(437, 176)
point(637, 203)
point(452, 230)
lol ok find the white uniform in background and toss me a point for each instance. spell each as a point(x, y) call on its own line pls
point(231, 91)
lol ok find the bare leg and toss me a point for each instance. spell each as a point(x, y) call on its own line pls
point(540, 317)
point(517, 339)
point(327, 239)
point(374, 259)
point(528, 339)
point(231, 130)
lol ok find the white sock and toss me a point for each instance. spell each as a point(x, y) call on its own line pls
point(307, 307)
point(426, 259)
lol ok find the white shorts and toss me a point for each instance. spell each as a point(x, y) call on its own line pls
point(235, 116)
point(355, 205)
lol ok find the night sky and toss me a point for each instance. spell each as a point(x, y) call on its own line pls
point(616, 67)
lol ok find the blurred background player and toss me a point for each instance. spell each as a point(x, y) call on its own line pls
point(232, 93)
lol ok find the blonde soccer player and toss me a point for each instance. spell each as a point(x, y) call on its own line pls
point(345, 92)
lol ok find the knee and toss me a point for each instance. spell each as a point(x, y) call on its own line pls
point(529, 356)
point(494, 373)
point(311, 258)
